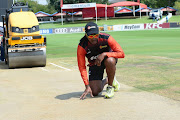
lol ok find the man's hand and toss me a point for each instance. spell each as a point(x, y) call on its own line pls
point(87, 90)
point(100, 58)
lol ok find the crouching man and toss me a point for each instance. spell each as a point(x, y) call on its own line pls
point(102, 52)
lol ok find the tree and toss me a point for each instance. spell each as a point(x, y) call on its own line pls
point(177, 6)
point(165, 3)
point(157, 3)
point(37, 7)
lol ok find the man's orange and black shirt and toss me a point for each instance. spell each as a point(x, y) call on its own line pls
point(106, 43)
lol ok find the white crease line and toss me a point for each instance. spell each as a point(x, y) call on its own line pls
point(45, 69)
point(61, 67)
point(65, 63)
point(76, 68)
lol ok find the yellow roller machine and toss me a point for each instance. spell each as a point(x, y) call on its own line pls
point(23, 44)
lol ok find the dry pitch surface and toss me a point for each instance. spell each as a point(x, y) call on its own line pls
point(52, 93)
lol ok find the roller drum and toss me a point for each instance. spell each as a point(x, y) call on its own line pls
point(36, 58)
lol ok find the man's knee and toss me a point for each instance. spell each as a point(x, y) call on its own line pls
point(95, 93)
point(110, 61)
point(96, 87)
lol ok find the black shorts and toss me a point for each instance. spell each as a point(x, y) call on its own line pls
point(97, 72)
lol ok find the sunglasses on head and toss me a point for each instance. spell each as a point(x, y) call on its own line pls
point(92, 36)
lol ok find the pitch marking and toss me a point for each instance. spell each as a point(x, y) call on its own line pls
point(61, 67)
point(45, 69)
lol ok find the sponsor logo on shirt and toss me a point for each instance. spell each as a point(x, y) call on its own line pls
point(94, 57)
point(101, 47)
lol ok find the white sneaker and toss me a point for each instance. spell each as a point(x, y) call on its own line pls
point(116, 85)
point(109, 92)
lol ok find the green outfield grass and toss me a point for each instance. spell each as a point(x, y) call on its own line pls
point(163, 42)
point(99, 22)
point(152, 61)
point(117, 21)
point(175, 18)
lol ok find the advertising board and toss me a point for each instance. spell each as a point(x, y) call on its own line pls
point(128, 27)
point(68, 30)
point(117, 27)
point(174, 25)
point(133, 27)
point(80, 5)
point(46, 31)
point(156, 25)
